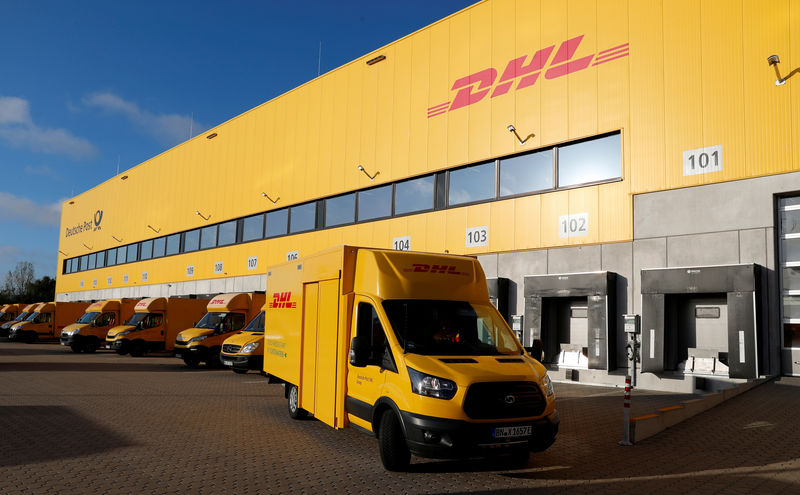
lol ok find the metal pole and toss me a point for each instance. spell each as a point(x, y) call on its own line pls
point(626, 434)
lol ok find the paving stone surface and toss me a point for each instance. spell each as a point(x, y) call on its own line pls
point(102, 423)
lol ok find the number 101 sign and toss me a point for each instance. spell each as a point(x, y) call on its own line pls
point(702, 160)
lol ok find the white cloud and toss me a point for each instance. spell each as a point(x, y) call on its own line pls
point(26, 211)
point(18, 129)
point(166, 128)
point(42, 170)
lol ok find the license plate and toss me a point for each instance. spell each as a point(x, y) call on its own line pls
point(179, 356)
point(512, 431)
point(227, 363)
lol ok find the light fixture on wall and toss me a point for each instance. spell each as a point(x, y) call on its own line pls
point(513, 130)
point(371, 177)
point(157, 231)
point(375, 60)
point(197, 212)
point(87, 247)
point(212, 135)
point(115, 238)
point(273, 200)
point(124, 177)
point(773, 60)
point(62, 252)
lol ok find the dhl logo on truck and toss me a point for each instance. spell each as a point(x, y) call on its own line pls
point(443, 269)
point(282, 300)
point(141, 304)
point(217, 301)
point(561, 65)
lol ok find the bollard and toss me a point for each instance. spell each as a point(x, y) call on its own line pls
point(626, 435)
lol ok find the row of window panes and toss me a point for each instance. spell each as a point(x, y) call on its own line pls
point(588, 161)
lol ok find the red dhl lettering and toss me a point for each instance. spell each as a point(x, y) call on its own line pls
point(440, 269)
point(474, 87)
point(282, 300)
point(217, 301)
point(141, 304)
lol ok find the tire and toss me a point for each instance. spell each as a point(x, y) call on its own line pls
point(213, 360)
point(295, 411)
point(92, 345)
point(76, 348)
point(395, 455)
point(191, 361)
point(31, 337)
point(238, 371)
point(540, 445)
point(121, 352)
point(138, 348)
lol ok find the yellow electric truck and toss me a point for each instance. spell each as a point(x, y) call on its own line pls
point(408, 347)
point(89, 333)
point(47, 320)
point(8, 312)
point(227, 314)
point(5, 328)
point(154, 324)
point(244, 351)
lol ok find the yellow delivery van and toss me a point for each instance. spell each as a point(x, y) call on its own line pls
point(8, 312)
point(244, 350)
point(89, 333)
point(154, 324)
point(47, 320)
point(408, 347)
point(227, 314)
point(5, 328)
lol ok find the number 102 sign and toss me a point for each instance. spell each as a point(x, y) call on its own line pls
point(573, 225)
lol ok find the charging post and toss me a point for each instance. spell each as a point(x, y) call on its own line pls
point(632, 329)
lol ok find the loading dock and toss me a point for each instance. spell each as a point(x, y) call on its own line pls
point(574, 317)
point(704, 320)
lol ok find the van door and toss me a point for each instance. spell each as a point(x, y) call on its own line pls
point(365, 385)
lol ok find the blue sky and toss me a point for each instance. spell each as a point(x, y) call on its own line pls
point(87, 84)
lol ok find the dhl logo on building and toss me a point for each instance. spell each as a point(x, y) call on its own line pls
point(443, 269)
point(474, 87)
point(282, 300)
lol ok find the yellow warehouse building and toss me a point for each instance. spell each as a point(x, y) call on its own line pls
point(601, 158)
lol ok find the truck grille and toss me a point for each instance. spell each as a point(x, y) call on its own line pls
point(231, 348)
point(181, 342)
point(502, 400)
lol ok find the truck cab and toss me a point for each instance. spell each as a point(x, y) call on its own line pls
point(5, 328)
point(47, 321)
point(226, 315)
point(406, 347)
point(90, 331)
point(244, 350)
point(8, 313)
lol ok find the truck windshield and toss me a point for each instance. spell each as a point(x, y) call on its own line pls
point(31, 316)
point(88, 317)
point(224, 322)
point(144, 320)
point(450, 328)
point(21, 317)
point(5, 316)
point(256, 324)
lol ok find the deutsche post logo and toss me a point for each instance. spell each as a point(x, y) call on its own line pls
point(282, 300)
point(98, 217)
point(475, 87)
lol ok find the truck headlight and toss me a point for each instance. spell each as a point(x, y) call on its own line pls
point(197, 339)
point(431, 386)
point(70, 333)
point(547, 384)
point(252, 346)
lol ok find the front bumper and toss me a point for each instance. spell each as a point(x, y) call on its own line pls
point(69, 340)
point(198, 352)
point(453, 439)
point(242, 361)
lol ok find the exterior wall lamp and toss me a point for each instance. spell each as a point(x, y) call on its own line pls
point(153, 229)
point(62, 252)
point(87, 247)
point(115, 238)
point(513, 130)
point(773, 60)
point(371, 177)
point(273, 200)
point(197, 212)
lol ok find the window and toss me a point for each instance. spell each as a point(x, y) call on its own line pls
point(84, 262)
point(277, 222)
point(253, 228)
point(371, 335)
point(111, 258)
point(173, 244)
point(413, 195)
point(227, 233)
point(375, 203)
point(158, 246)
point(191, 240)
point(470, 184)
point(122, 254)
point(101, 259)
point(526, 173)
point(92, 261)
point(133, 252)
point(147, 250)
point(589, 161)
point(340, 210)
point(208, 237)
point(302, 218)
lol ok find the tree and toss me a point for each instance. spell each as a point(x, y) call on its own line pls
point(43, 289)
point(18, 281)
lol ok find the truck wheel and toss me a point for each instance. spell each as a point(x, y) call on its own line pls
point(213, 358)
point(31, 337)
point(75, 348)
point(92, 345)
point(395, 455)
point(191, 361)
point(239, 371)
point(121, 352)
point(540, 445)
point(295, 412)
point(137, 348)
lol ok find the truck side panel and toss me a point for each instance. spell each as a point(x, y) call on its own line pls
point(67, 313)
point(182, 314)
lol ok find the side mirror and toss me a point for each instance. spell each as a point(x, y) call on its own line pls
point(536, 350)
point(358, 353)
